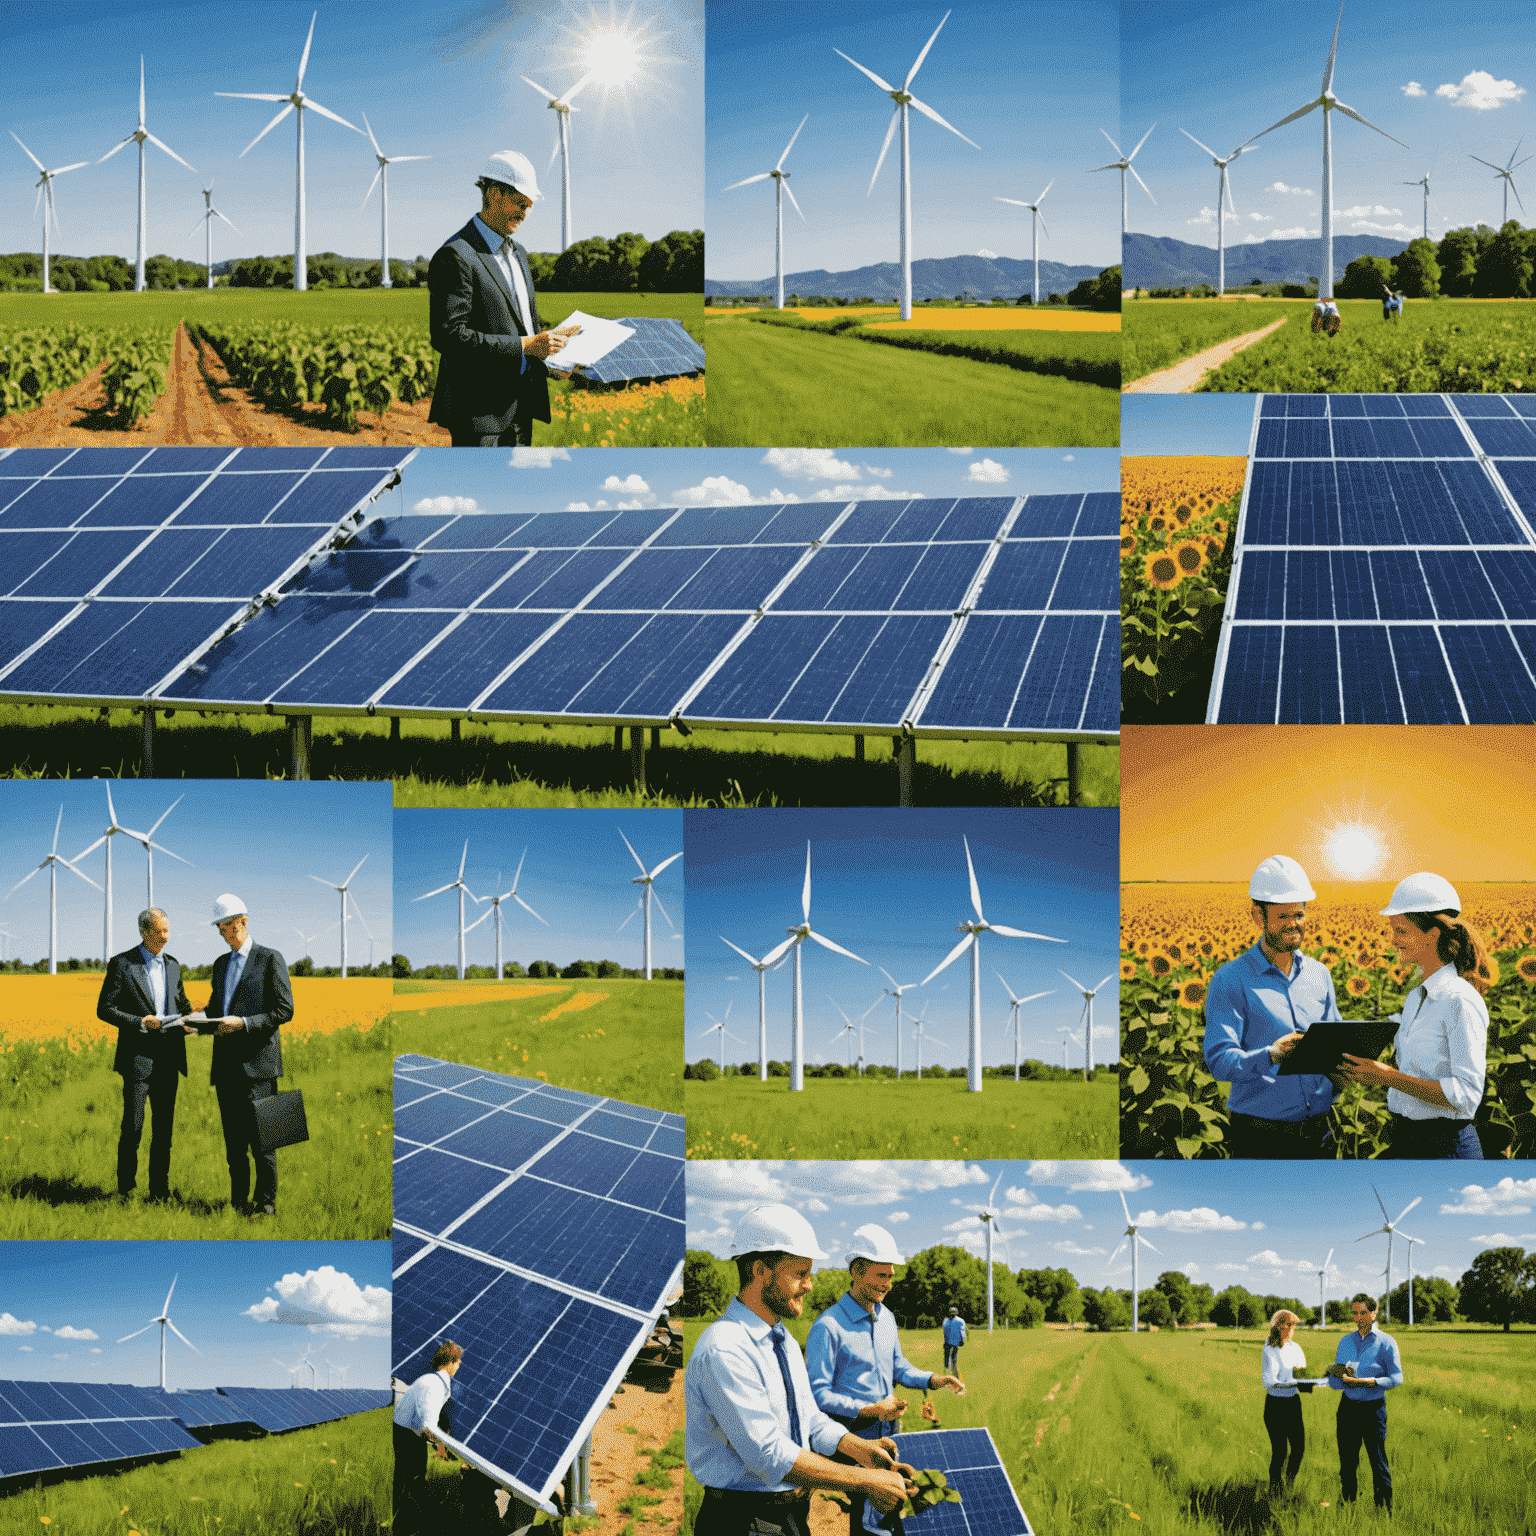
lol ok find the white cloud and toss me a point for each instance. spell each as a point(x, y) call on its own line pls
point(327, 1299)
point(1280, 186)
point(1367, 211)
point(1201, 1219)
point(1262, 218)
point(896, 1216)
point(1509, 1197)
point(714, 491)
point(987, 472)
point(1370, 227)
point(1231, 1269)
point(1078, 1252)
point(1413, 88)
point(1300, 232)
point(989, 255)
point(632, 483)
point(810, 464)
point(960, 450)
point(880, 474)
point(9, 1324)
point(25, 1349)
point(1446, 1272)
point(446, 504)
point(1191, 1269)
point(862, 493)
point(965, 1224)
point(537, 458)
point(1206, 219)
point(586, 506)
point(1087, 1176)
point(816, 1207)
point(1504, 1240)
point(1480, 91)
point(1258, 1226)
point(1025, 1207)
point(74, 1333)
point(1067, 458)
point(95, 1351)
point(634, 506)
point(61, 1357)
point(1269, 1259)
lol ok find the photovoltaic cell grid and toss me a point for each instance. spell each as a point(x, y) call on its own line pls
point(1385, 566)
point(969, 1461)
point(944, 616)
point(276, 1409)
point(117, 564)
point(659, 349)
point(48, 1425)
point(541, 1229)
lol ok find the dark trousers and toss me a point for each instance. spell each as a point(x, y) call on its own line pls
point(410, 1478)
point(1437, 1137)
point(238, 1098)
point(1282, 1418)
point(518, 435)
point(1364, 1423)
point(735, 1514)
point(1279, 1140)
point(159, 1091)
point(951, 1359)
point(477, 1503)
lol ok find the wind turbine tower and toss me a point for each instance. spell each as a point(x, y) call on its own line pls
point(1015, 1004)
point(725, 1034)
point(1123, 164)
point(382, 174)
point(645, 879)
point(1088, 998)
point(495, 911)
point(210, 213)
point(342, 889)
point(1036, 225)
point(762, 967)
point(1423, 181)
point(164, 1320)
point(1223, 191)
point(44, 185)
point(1133, 1237)
point(780, 187)
point(895, 991)
point(1322, 1281)
point(988, 1216)
point(458, 885)
point(1506, 173)
point(1390, 1227)
point(51, 864)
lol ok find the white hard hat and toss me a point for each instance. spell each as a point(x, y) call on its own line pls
point(1280, 878)
point(512, 170)
point(776, 1229)
point(226, 907)
point(1423, 892)
point(875, 1244)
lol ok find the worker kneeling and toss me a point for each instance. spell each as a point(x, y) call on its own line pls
point(1326, 318)
point(756, 1440)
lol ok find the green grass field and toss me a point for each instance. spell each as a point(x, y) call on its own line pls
point(849, 1117)
point(773, 384)
point(333, 1480)
point(1156, 333)
point(61, 1113)
point(527, 765)
point(629, 1046)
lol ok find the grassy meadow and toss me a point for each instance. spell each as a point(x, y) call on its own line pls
point(852, 1117)
point(614, 1036)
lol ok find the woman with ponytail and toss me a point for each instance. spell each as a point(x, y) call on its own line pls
point(1442, 1040)
point(1282, 1405)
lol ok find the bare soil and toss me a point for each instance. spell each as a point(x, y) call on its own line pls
point(1184, 377)
point(617, 1458)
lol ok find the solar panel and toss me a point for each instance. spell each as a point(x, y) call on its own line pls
point(45, 1426)
point(969, 1461)
point(118, 564)
point(1385, 564)
point(277, 1409)
point(978, 615)
point(659, 349)
point(201, 1409)
point(541, 1229)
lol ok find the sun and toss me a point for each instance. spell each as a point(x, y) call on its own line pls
point(1353, 852)
point(613, 55)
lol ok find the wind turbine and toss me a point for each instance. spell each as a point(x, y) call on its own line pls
point(164, 1320)
point(295, 100)
point(562, 106)
point(854, 1029)
point(308, 939)
point(1123, 164)
point(210, 213)
point(904, 99)
point(342, 888)
point(645, 879)
point(146, 841)
point(51, 864)
point(457, 884)
point(1071, 1034)
point(780, 187)
point(1423, 181)
point(1223, 190)
point(987, 1216)
point(44, 185)
point(1389, 1227)
point(1410, 1241)
point(1036, 225)
point(762, 967)
point(918, 1036)
point(895, 991)
point(382, 174)
point(1017, 1003)
point(796, 940)
point(138, 136)
point(1507, 173)
point(114, 827)
point(1330, 104)
point(1088, 997)
point(725, 1034)
point(972, 941)
point(495, 911)
point(1322, 1280)
point(1133, 1237)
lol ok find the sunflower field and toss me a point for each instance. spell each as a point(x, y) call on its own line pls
point(1177, 522)
point(1172, 939)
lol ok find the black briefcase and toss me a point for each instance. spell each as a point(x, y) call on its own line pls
point(280, 1121)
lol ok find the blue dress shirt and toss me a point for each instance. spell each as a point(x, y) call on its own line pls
point(854, 1358)
point(154, 965)
point(1251, 1004)
point(954, 1330)
point(737, 1432)
point(233, 972)
point(1374, 1355)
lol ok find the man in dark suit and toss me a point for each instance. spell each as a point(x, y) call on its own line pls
point(251, 1001)
point(142, 987)
point(492, 381)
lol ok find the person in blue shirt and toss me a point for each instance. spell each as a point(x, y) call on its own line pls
point(954, 1337)
point(854, 1357)
point(1365, 1369)
point(1257, 1009)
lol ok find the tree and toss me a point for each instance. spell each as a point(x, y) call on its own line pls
point(674, 264)
point(1416, 271)
point(1030, 1314)
point(703, 1071)
point(1338, 1312)
point(1104, 1310)
point(1456, 256)
point(542, 265)
point(1176, 1288)
point(582, 266)
point(1504, 270)
point(706, 1290)
point(1236, 1308)
point(401, 967)
point(829, 1286)
point(544, 970)
point(937, 1279)
point(1366, 277)
point(1434, 1301)
point(1500, 1287)
point(1153, 1308)
point(1057, 1292)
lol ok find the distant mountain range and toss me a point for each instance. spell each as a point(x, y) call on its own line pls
point(983, 277)
point(1155, 262)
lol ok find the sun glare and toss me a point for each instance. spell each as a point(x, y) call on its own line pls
point(613, 56)
point(1353, 852)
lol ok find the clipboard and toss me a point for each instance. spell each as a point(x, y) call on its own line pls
point(1322, 1048)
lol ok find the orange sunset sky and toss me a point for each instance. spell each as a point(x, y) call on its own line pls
point(1372, 803)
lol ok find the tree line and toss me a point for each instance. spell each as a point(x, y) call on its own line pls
point(539, 970)
point(22, 272)
point(707, 1071)
point(1477, 263)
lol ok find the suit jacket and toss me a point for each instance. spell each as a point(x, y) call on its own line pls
point(125, 999)
point(264, 999)
point(485, 380)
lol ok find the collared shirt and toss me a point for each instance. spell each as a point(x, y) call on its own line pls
point(1251, 1004)
point(1279, 1367)
point(1443, 1036)
point(854, 1358)
point(954, 1330)
point(423, 1400)
point(512, 270)
point(154, 965)
point(234, 971)
point(737, 1415)
point(1375, 1355)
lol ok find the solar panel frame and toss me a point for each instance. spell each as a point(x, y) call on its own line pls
point(656, 341)
point(970, 1462)
point(81, 1424)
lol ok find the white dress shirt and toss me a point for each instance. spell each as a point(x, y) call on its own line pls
point(1281, 1362)
point(1443, 1036)
point(512, 270)
point(154, 966)
point(422, 1401)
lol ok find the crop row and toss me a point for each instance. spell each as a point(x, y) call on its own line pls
point(135, 378)
point(33, 364)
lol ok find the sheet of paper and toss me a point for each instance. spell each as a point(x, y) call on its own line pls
point(596, 338)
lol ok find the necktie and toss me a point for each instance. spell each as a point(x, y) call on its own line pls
point(777, 1335)
point(232, 979)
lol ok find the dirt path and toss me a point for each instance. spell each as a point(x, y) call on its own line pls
point(207, 411)
point(1184, 377)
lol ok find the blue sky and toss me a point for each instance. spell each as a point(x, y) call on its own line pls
point(1032, 94)
point(576, 877)
point(1446, 85)
point(440, 81)
point(890, 886)
point(63, 1306)
point(260, 841)
point(1228, 1223)
point(1180, 424)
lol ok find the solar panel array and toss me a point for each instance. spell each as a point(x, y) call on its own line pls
point(541, 1229)
point(976, 616)
point(119, 564)
point(969, 1461)
point(45, 1426)
point(275, 1409)
point(1385, 564)
point(659, 349)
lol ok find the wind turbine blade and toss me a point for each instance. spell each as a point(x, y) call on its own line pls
point(57, 824)
point(167, 1307)
point(33, 158)
point(114, 150)
point(438, 892)
point(843, 1016)
point(748, 182)
point(1016, 203)
point(369, 126)
point(1491, 166)
point(656, 897)
point(1329, 1259)
point(1114, 167)
point(1333, 49)
point(993, 1196)
point(927, 111)
point(1019, 933)
point(1032, 996)
point(970, 869)
point(171, 152)
point(889, 134)
point(635, 856)
point(791, 196)
point(1114, 147)
point(252, 95)
point(547, 95)
point(315, 106)
point(1350, 112)
point(401, 159)
point(1006, 987)
point(1141, 1239)
point(371, 185)
point(739, 950)
point(526, 908)
point(796, 134)
point(1384, 1215)
point(1232, 205)
point(268, 129)
point(772, 955)
point(954, 954)
point(463, 857)
point(805, 892)
point(67, 865)
point(1193, 140)
point(215, 212)
point(1100, 986)
point(673, 860)
point(166, 812)
point(86, 851)
point(356, 867)
point(882, 971)
point(1042, 226)
point(554, 153)
point(627, 921)
point(304, 62)
point(167, 852)
point(331, 887)
point(581, 84)
point(1375, 1232)
point(1512, 187)
point(828, 944)
point(912, 73)
point(40, 868)
point(884, 85)
point(490, 911)
point(1417, 1200)
point(125, 1339)
point(184, 1339)
point(1147, 135)
point(1311, 106)
point(870, 1009)
point(1110, 1262)
point(1139, 182)
point(1051, 183)
point(1124, 1207)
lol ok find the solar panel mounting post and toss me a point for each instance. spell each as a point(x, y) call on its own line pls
point(453, 729)
point(637, 756)
point(584, 1501)
point(906, 763)
point(858, 749)
point(1074, 772)
point(149, 742)
point(298, 745)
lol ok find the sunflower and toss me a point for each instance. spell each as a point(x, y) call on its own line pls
point(1144, 947)
point(1207, 947)
point(1527, 967)
point(1128, 543)
point(1489, 971)
point(1175, 952)
point(1330, 958)
point(1163, 571)
point(1127, 970)
point(1160, 965)
point(1158, 523)
point(1359, 985)
point(1183, 513)
point(1192, 994)
point(1189, 557)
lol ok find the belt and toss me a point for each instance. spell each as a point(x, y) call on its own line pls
point(747, 1496)
point(1297, 1128)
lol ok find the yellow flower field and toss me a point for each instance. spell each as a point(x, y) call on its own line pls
point(1011, 319)
point(574, 1004)
point(466, 994)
